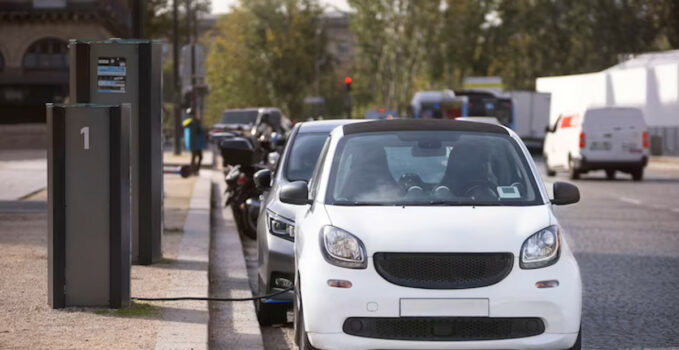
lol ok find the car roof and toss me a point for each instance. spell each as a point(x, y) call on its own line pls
point(420, 124)
point(324, 125)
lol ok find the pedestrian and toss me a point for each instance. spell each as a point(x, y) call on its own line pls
point(195, 139)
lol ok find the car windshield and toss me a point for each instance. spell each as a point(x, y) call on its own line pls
point(303, 156)
point(430, 168)
point(239, 117)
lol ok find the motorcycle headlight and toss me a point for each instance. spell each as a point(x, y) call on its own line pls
point(280, 226)
point(541, 249)
point(343, 249)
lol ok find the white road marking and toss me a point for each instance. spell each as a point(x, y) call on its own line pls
point(630, 200)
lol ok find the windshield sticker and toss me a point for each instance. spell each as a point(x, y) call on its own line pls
point(508, 192)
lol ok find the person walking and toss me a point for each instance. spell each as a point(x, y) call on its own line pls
point(195, 139)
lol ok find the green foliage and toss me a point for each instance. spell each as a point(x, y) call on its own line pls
point(408, 45)
point(159, 21)
point(264, 53)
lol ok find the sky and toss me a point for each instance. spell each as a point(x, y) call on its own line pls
point(221, 6)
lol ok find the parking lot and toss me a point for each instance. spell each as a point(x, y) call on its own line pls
point(626, 239)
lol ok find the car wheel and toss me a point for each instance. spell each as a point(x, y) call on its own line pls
point(304, 343)
point(249, 227)
point(549, 170)
point(237, 217)
point(638, 174)
point(297, 323)
point(610, 174)
point(270, 314)
point(574, 172)
point(578, 342)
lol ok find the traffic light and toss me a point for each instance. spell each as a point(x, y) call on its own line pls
point(347, 82)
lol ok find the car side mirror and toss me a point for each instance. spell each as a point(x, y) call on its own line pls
point(262, 179)
point(296, 193)
point(565, 193)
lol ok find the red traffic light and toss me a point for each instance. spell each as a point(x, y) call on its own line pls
point(348, 80)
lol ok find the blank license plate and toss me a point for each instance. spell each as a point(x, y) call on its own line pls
point(445, 307)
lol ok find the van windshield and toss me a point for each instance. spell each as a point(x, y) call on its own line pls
point(430, 168)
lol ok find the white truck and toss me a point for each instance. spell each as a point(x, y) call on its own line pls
point(531, 116)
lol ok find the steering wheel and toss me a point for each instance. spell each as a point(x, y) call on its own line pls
point(409, 180)
point(482, 188)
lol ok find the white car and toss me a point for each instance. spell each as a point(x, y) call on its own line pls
point(431, 234)
point(610, 138)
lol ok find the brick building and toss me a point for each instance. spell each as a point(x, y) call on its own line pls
point(33, 49)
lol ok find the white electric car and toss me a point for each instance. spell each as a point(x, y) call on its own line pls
point(431, 234)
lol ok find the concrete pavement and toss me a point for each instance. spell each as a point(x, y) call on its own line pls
point(22, 172)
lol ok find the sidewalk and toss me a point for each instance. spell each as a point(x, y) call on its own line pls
point(27, 322)
point(22, 172)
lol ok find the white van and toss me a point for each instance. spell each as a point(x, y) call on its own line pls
point(610, 138)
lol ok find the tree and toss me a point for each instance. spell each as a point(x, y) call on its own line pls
point(393, 38)
point(264, 53)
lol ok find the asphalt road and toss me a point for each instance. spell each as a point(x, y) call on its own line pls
point(625, 235)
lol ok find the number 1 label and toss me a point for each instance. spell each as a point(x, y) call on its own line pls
point(86, 137)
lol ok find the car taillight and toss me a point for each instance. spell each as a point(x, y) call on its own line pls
point(646, 142)
point(583, 144)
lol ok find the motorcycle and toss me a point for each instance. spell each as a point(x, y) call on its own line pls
point(243, 197)
point(242, 158)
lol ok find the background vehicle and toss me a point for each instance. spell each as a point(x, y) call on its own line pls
point(241, 120)
point(431, 235)
point(275, 226)
point(438, 105)
point(487, 104)
point(610, 138)
point(531, 115)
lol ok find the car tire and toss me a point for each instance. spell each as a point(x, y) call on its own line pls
point(303, 342)
point(301, 336)
point(578, 341)
point(638, 174)
point(249, 228)
point(610, 174)
point(237, 218)
point(270, 314)
point(549, 170)
point(574, 172)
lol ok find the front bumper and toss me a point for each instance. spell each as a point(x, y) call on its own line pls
point(326, 308)
point(332, 341)
point(278, 262)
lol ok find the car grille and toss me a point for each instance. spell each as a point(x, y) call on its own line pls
point(443, 328)
point(443, 270)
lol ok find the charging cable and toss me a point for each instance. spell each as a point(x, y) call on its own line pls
point(266, 296)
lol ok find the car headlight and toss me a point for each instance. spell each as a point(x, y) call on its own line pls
point(343, 249)
point(280, 226)
point(541, 249)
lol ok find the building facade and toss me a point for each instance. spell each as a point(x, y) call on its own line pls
point(34, 36)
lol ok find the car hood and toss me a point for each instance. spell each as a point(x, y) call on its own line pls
point(441, 229)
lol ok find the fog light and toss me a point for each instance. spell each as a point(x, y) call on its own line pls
point(547, 284)
point(282, 283)
point(339, 283)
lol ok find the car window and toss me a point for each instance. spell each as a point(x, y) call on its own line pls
point(304, 155)
point(313, 185)
point(239, 117)
point(430, 168)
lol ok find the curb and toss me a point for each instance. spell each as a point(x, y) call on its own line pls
point(233, 325)
point(185, 323)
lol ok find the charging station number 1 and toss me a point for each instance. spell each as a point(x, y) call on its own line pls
point(86, 137)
